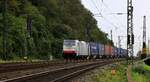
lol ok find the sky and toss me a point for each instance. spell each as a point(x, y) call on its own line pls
point(107, 19)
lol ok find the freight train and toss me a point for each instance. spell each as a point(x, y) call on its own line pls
point(75, 49)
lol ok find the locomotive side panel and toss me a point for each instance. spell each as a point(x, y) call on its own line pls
point(83, 49)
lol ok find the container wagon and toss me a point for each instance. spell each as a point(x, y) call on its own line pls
point(115, 50)
point(101, 50)
point(121, 52)
point(94, 50)
point(125, 53)
point(108, 51)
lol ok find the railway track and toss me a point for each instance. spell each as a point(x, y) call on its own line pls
point(10, 67)
point(60, 74)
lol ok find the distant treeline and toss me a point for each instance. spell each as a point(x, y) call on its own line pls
point(52, 22)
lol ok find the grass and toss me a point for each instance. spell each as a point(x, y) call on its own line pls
point(106, 75)
point(141, 73)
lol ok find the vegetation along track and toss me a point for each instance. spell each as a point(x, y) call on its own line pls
point(61, 74)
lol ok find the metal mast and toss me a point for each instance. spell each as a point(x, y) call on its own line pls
point(144, 38)
point(119, 41)
point(111, 36)
point(148, 48)
point(144, 32)
point(130, 36)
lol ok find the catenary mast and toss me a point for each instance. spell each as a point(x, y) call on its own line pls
point(130, 35)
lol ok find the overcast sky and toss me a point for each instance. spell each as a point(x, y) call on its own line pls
point(118, 23)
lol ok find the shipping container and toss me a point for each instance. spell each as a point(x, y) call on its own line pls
point(101, 50)
point(124, 53)
point(121, 52)
point(108, 51)
point(115, 51)
point(94, 48)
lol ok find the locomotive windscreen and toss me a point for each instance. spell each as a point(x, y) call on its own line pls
point(69, 42)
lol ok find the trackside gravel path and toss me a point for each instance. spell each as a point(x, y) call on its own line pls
point(129, 78)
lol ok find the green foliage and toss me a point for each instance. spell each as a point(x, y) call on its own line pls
point(52, 22)
point(140, 72)
point(105, 75)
